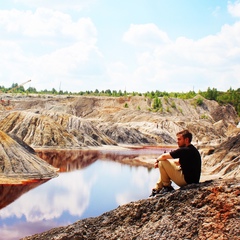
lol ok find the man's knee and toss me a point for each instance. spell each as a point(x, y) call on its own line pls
point(163, 163)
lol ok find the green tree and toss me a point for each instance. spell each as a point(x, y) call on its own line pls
point(121, 94)
point(54, 91)
point(211, 94)
point(32, 90)
point(157, 104)
point(108, 92)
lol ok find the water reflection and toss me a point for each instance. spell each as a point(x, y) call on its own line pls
point(69, 160)
point(87, 186)
point(10, 192)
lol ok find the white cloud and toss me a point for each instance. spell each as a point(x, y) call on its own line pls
point(47, 23)
point(141, 181)
point(72, 196)
point(119, 74)
point(146, 35)
point(51, 47)
point(234, 8)
point(21, 230)
point(48, 47)
point(186, 62)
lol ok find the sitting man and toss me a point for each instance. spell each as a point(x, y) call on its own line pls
point(186, 170)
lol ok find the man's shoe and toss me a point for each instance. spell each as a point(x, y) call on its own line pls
point(166, 189)
point(154, 192)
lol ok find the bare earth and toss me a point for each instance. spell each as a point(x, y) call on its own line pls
point(209, 210)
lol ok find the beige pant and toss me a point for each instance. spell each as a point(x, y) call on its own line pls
point(169, 170)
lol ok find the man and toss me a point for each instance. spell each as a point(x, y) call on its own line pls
point(185, 170)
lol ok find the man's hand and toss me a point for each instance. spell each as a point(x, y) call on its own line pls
point(156, 164)
point(162, 157)
point(177, 163)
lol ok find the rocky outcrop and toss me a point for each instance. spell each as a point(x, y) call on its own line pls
point(77, 122)
point(209, 210)
point(18, 163)
point(52, 130)
point(222, 160)
point(37, 130)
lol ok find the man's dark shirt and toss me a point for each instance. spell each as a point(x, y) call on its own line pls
point(190, 161)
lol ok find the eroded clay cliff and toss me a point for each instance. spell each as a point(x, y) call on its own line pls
point(19, 163)
point(75, 122)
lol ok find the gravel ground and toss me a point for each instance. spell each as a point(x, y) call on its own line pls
point(209, 210)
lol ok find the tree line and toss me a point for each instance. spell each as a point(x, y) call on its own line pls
point(230, 96)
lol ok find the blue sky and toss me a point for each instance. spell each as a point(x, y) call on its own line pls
point(135, 45)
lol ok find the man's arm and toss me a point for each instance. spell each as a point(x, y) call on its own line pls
point(162, 158)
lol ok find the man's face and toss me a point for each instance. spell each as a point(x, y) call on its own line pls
point(182, 142)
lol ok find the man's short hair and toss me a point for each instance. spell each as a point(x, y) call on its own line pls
point(186, 134)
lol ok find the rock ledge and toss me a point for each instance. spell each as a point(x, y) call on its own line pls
point(208, 210)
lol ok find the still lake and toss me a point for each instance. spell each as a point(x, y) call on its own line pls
point(89, 184)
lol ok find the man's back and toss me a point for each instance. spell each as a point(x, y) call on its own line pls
point(190, 161)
